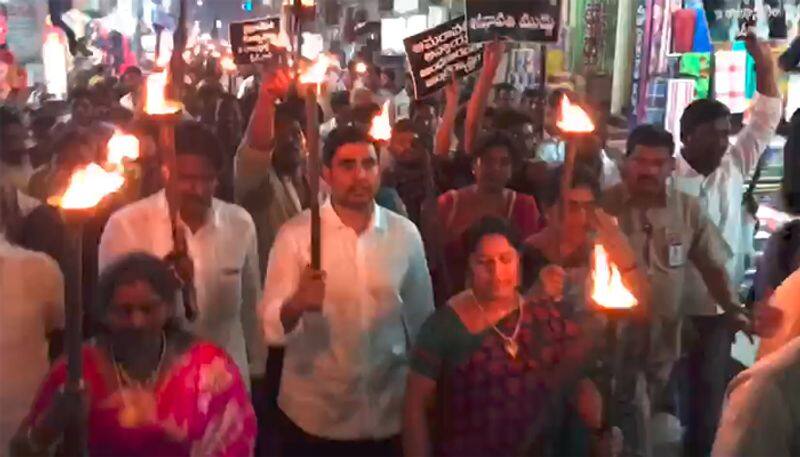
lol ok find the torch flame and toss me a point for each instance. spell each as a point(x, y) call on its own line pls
point(87, 187)
point(608, 290)
point(361, 68)
point(228, 64)
point(120, 147)
point(381, 127)
point(315, 74)
point(156, 102)
point(573, 118)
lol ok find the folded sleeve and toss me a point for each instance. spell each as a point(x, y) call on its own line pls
point(282, 279)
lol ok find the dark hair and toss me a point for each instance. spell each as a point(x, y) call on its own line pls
point(583, 175)
point(135, 267)
point(79, 93)
point(133, 69)
point(339, 137)
point(422, 103)
point(650, 135)
point(389, 74)
point(403, 126)
point(490, 225)
point(700, 112)
point(9, 116)
point(504, 86)
point(510, 118)
point(530, 92)
point(495, 139)
point(363, 114)
point(192, 137)
point(340, 99)
point(554, 98)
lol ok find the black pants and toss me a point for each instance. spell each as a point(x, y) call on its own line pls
point(707, 366)
point(297, 443)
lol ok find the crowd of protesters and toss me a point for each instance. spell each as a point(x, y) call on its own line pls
point(451, 311)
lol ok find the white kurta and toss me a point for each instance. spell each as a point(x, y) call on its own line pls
point(226, 273)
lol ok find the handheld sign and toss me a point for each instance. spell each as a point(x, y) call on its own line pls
point(437, 53)
point(516, 20)
point(254, 41)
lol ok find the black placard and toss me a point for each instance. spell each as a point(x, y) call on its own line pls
point(437, 53)
point(517, 20)
point(253, 41)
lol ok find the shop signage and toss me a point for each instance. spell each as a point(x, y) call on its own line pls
point(254, 41)
point(438, 53)
point(517, 20)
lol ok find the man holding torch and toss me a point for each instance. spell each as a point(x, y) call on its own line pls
point(347, 325)
point(670, 232)
point(220, 241)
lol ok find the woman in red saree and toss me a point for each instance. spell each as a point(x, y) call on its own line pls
point(150, 388)
point(494, 159)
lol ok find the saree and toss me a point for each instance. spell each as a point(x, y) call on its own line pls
point(198, 407)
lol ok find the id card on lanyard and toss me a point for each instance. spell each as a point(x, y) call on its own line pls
point(676, 253)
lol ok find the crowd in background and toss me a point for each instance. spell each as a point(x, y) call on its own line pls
point(451, 312)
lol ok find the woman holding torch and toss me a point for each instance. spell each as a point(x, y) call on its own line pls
point(499, 366)
point(149, 388)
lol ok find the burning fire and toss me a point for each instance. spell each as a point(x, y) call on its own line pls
point(156, 102)
point(87, 187)
point(381, 127)
point(315, 74)
point(608, 290)
point(121, 147)
point(228, 64)
point(573, 118)
point(361, 68)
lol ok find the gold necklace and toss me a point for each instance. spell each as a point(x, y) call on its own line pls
point(510, 343)
point(138, 401)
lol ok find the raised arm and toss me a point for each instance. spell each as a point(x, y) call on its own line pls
point(444, 134)
point(765, 112)
point(492, 53)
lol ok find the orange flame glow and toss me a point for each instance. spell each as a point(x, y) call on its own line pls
point(573, 118)
point(361, 68)
point(228, 64)
point(307, 2)
point(608, 290)
point(156, 102)
point(87, 187)
point(315, 74)
point(121, 147)
point(381, 127)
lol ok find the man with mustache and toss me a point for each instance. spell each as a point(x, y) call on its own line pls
point(348, 326)
point(221, 259)
point(670, 231)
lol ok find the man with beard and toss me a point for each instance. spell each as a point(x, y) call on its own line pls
point(410, 170)
point(348, 326)
point(220, 257)
point(671, 232)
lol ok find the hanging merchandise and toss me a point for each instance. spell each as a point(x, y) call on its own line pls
point(730, 77)
point(683, 25)
point(593, 41)
point(656, 35)
point(656, 101)
point(640, 59)
point(698, 66)
point(702, 38)
point(750, 80)
point(680, 93)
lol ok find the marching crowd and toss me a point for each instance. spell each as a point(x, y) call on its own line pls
point(451, 311)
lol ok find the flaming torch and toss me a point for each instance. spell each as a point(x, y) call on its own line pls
point(573, 123)
point(610, 295)
point(381, 127)
point(166, 114)
point(312, 78)
point(88, 186)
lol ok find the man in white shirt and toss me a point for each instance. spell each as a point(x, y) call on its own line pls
point(221, 244)
point(709, 168)
point(31, 311)
point(349, 326)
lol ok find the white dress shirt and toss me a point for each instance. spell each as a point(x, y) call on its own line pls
point(226, 274)
point(31, 307)
point(344, 371)
point(720, 193)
